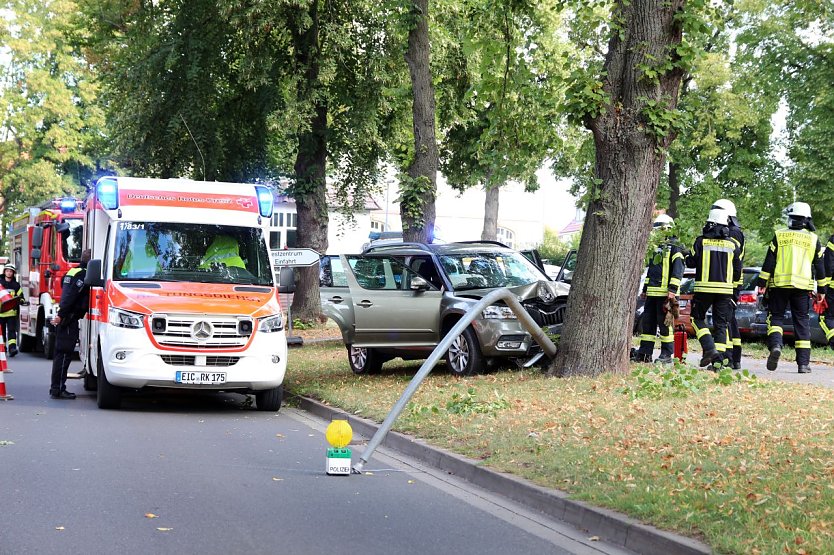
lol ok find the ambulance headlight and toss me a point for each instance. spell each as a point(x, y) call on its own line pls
point(124, 319)
point(271, 324)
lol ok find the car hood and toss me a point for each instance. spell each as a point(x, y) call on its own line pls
point(522, 292)
point(194, 298)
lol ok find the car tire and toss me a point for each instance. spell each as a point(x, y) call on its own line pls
point(464, 356)
point(27, 343)
point(363, 360)
point(269, 399)
point(108, 396)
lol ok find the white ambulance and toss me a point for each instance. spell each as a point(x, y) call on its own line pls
point(183, 293)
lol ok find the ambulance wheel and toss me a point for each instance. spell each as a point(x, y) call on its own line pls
point(108, 396)
point(269, 399)
point(48, 342)
point(90, 382)
point(363, 360)
point(27, 343)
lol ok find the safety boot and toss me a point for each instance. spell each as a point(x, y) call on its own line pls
point(804, 369)
point(637, 356)
point(12, 350)
point(663, 359)
point(709, 357)
point(773, 358)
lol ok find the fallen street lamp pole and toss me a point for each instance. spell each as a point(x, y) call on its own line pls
point(502, 294)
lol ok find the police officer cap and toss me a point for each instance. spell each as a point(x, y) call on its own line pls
point(718, 216)
point(663, 222)
point(10, 267)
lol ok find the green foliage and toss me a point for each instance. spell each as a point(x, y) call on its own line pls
point(412, 191)
point(468, 403)
point(554, 249)
point(299, 324)
point(680, 380)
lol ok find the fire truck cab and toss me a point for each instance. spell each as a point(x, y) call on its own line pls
point(45, 243)
point(183, 293)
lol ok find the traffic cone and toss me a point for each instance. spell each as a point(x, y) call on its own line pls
point(4, 396)
point(4, 365)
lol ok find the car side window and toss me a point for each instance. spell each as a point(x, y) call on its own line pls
point(331, 272)
point(381, 273)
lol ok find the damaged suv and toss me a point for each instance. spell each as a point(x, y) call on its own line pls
point(400, 300)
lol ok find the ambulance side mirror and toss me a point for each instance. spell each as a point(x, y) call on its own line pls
point(286, 280)
point(94, 277)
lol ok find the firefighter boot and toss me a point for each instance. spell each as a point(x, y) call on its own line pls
point(638, 356)
point(736, 357)
point(709, 357)
point(804, 369)
point(773, 358)
point(665, 353)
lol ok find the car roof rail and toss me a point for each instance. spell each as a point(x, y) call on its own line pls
point(421, 246)
point(483, 242)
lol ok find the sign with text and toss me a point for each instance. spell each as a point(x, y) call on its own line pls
point(295, 257)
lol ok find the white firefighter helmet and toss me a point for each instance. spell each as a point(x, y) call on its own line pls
point(726, 205)
point(718, 216)
point(663, 221)
point(798, 210)
point(10, 266)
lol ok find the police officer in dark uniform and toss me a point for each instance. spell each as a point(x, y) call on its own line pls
point(75, 299)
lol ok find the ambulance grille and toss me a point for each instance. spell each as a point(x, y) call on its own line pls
point(178, 333)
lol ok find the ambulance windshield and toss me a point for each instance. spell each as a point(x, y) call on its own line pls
point(207, 253)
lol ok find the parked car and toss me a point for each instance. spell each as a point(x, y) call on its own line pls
point(401, 300)
point(748, 301)
point(759, 326)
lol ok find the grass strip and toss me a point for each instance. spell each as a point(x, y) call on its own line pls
point(747, 466)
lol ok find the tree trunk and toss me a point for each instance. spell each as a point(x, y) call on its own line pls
point(490, 231)
point(629, 160)
point(310, 188)
point(418, 215)
point(674, 189)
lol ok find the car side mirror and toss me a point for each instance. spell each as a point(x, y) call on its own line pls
point(94, 277)
point(419, 284)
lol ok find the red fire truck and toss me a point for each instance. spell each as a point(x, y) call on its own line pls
point(45, 242)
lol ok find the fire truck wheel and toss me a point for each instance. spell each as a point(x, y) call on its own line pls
point(108, 396)
point(269, 399)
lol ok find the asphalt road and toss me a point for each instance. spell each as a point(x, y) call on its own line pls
point(193, 473)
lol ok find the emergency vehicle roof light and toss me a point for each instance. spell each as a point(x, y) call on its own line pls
point(67, 205)
point(107, 191)
point(265, 201)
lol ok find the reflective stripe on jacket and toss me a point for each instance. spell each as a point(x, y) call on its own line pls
point(664, 276)
point(794, 260)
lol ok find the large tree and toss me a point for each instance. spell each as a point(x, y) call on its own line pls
point(630, 108)
point(51, 124)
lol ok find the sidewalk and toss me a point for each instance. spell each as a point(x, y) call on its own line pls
point(821, 374)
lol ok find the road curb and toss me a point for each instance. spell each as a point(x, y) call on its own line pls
point(610, 526)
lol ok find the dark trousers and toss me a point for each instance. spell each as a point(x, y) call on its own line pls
point(722, 311)
point(652, 319)
point(800, 302)
point(734, 338)
point(66, 336)
point(9, 325)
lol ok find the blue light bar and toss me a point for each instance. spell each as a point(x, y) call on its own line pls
point(107, 191)
point(265, 201)
point(67, 205)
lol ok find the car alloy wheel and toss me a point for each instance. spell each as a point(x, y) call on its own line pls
point(464, 355)
point(459, 355)
point(363, 360)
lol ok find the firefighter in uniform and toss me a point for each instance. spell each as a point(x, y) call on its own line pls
point(827, 322)
point(8, 319)
point(717, 261)
point(792, 262)
point(737, 235)
point(75, 299)
point(663, 280)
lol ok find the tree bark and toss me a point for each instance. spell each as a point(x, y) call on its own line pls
point(674, 189)
point(310, 188)
point(490, 231)
point(418, 219)
point(629, 160)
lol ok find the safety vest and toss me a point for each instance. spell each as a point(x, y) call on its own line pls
point(714, 270)
point(223, 250)
point(669, 271)
point(795, 252)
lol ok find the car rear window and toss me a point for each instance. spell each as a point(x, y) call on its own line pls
point(749, 280)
